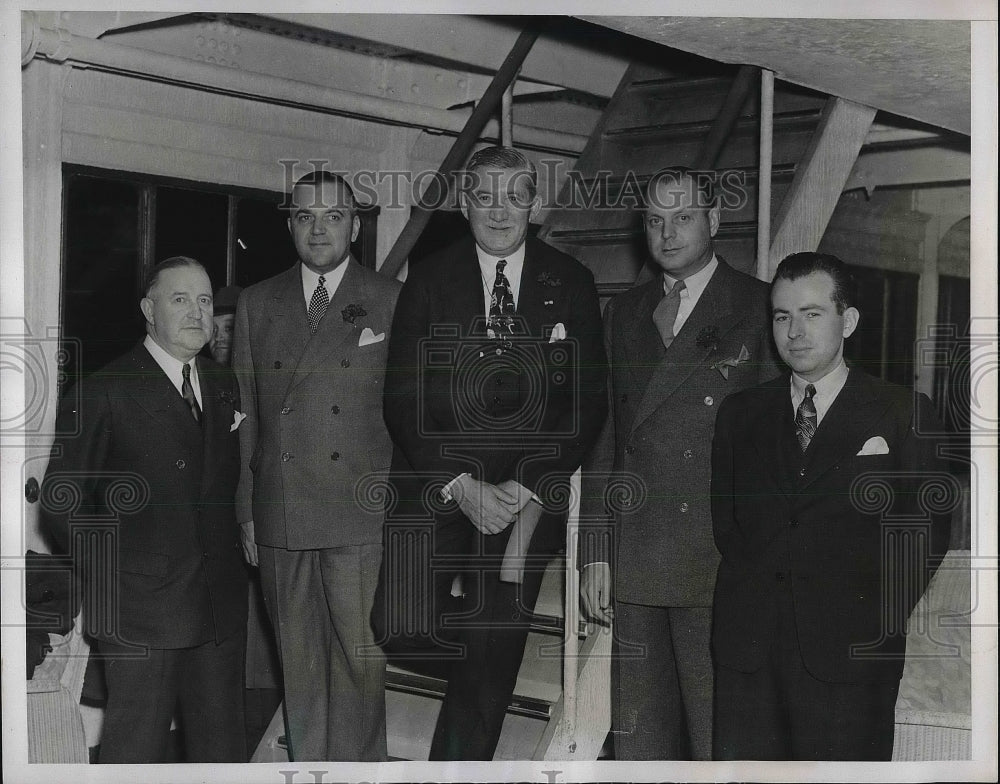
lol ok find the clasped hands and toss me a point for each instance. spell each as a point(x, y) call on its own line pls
point(491, 508)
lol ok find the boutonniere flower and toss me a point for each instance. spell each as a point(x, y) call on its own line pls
point(352, 312)
point(549, 280)
point(227, 397)
point(708, 338)
point(723, 365)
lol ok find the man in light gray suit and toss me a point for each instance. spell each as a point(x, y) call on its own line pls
point(677, 346)
point(310, 350)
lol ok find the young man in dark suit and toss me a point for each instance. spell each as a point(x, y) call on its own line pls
point(820, 482)
point(309, 353)
point(494, 393)
point(142, 496)
point(678, 346)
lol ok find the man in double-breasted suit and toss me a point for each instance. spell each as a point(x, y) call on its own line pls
point(678, 346)
point(310, 349)
point(494, 393)
point(142, 496)
point(830, 511)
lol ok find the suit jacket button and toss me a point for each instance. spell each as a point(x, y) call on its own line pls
point(335, 456)
point(286, 456)
point(286, 410)
point(688, 454)
point(629, 449)
point(802, 472)
point(344, 363)
point(335, 409)
point(684, 506)
point(779, 576)
point(709, 400)
point(277, 364)
point(794, 523)
point(180, 464)
point(624, 398)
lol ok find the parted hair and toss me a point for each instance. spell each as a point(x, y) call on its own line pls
point(799, 265)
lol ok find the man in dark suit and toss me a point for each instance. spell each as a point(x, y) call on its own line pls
point(818, 484)
point(142, 496)
point(309, 352)
point(494, 393)
point(678, 346)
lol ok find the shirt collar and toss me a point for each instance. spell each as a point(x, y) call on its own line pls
point(331, 280)
point(827, 387)
point(488, 262)
point(170, 364)
point(694, 284)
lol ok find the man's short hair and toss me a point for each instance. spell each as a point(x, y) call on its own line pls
point(172, 263)
point(702, 179)
point(505, 158)
point(317, 177)
point(799, 265)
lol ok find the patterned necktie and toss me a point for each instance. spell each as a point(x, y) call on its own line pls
point(318, 304)
point(187, 392)
point(805, 418)
point(666, 313)
point(501, 320)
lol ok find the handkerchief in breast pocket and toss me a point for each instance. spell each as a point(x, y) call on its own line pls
point(876, 445)
point(368, 337)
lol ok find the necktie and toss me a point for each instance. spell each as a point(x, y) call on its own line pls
point(805, 418)
point(318, 304)
point(666, 313)
point(501, 320)
point(187, 392)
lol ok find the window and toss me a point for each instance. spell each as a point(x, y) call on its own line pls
point(117, 225)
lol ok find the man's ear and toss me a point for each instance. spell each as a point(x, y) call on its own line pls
point(355, 227)
point(851, 318)
point(713, 219)
point(463, 200)
point(146, 306)
point(536, 205)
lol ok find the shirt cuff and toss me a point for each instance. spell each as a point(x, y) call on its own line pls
point(446, 490)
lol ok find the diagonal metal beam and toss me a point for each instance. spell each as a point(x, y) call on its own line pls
point(727, 117)
point(421, 212)
point(820, 179)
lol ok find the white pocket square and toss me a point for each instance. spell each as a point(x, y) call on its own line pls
point(368, 337)
point(237, 418)
point(558, 333)
point(875, 445)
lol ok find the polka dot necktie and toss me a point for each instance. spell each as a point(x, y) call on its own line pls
point(318, 304)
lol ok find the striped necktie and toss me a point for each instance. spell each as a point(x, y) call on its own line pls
point(187, 392)
point(805, 418)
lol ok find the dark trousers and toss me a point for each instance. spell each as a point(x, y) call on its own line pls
point(476, 641)
point(203, 685)
point(320, 602)
point(661, 682)
point(781, 712)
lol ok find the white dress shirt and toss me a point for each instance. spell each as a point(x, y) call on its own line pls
point(827, 389)
point(173, 368)
point(331, 280)
point(694, 286)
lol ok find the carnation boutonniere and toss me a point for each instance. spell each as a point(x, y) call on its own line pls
point(352, 312)
point(708, 338)
point(723, 365)
point(549, 280)
point(227, 397)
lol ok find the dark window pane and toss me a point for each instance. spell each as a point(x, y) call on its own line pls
point(263, 245)
point(192, 223)
point(101, 270)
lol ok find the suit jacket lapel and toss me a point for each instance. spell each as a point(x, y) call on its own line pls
point(156, 394)
point(334, 330)
point(715, 308)
point(642, 346)
point(217, 416)
point(287, 310)
point(841, 433)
